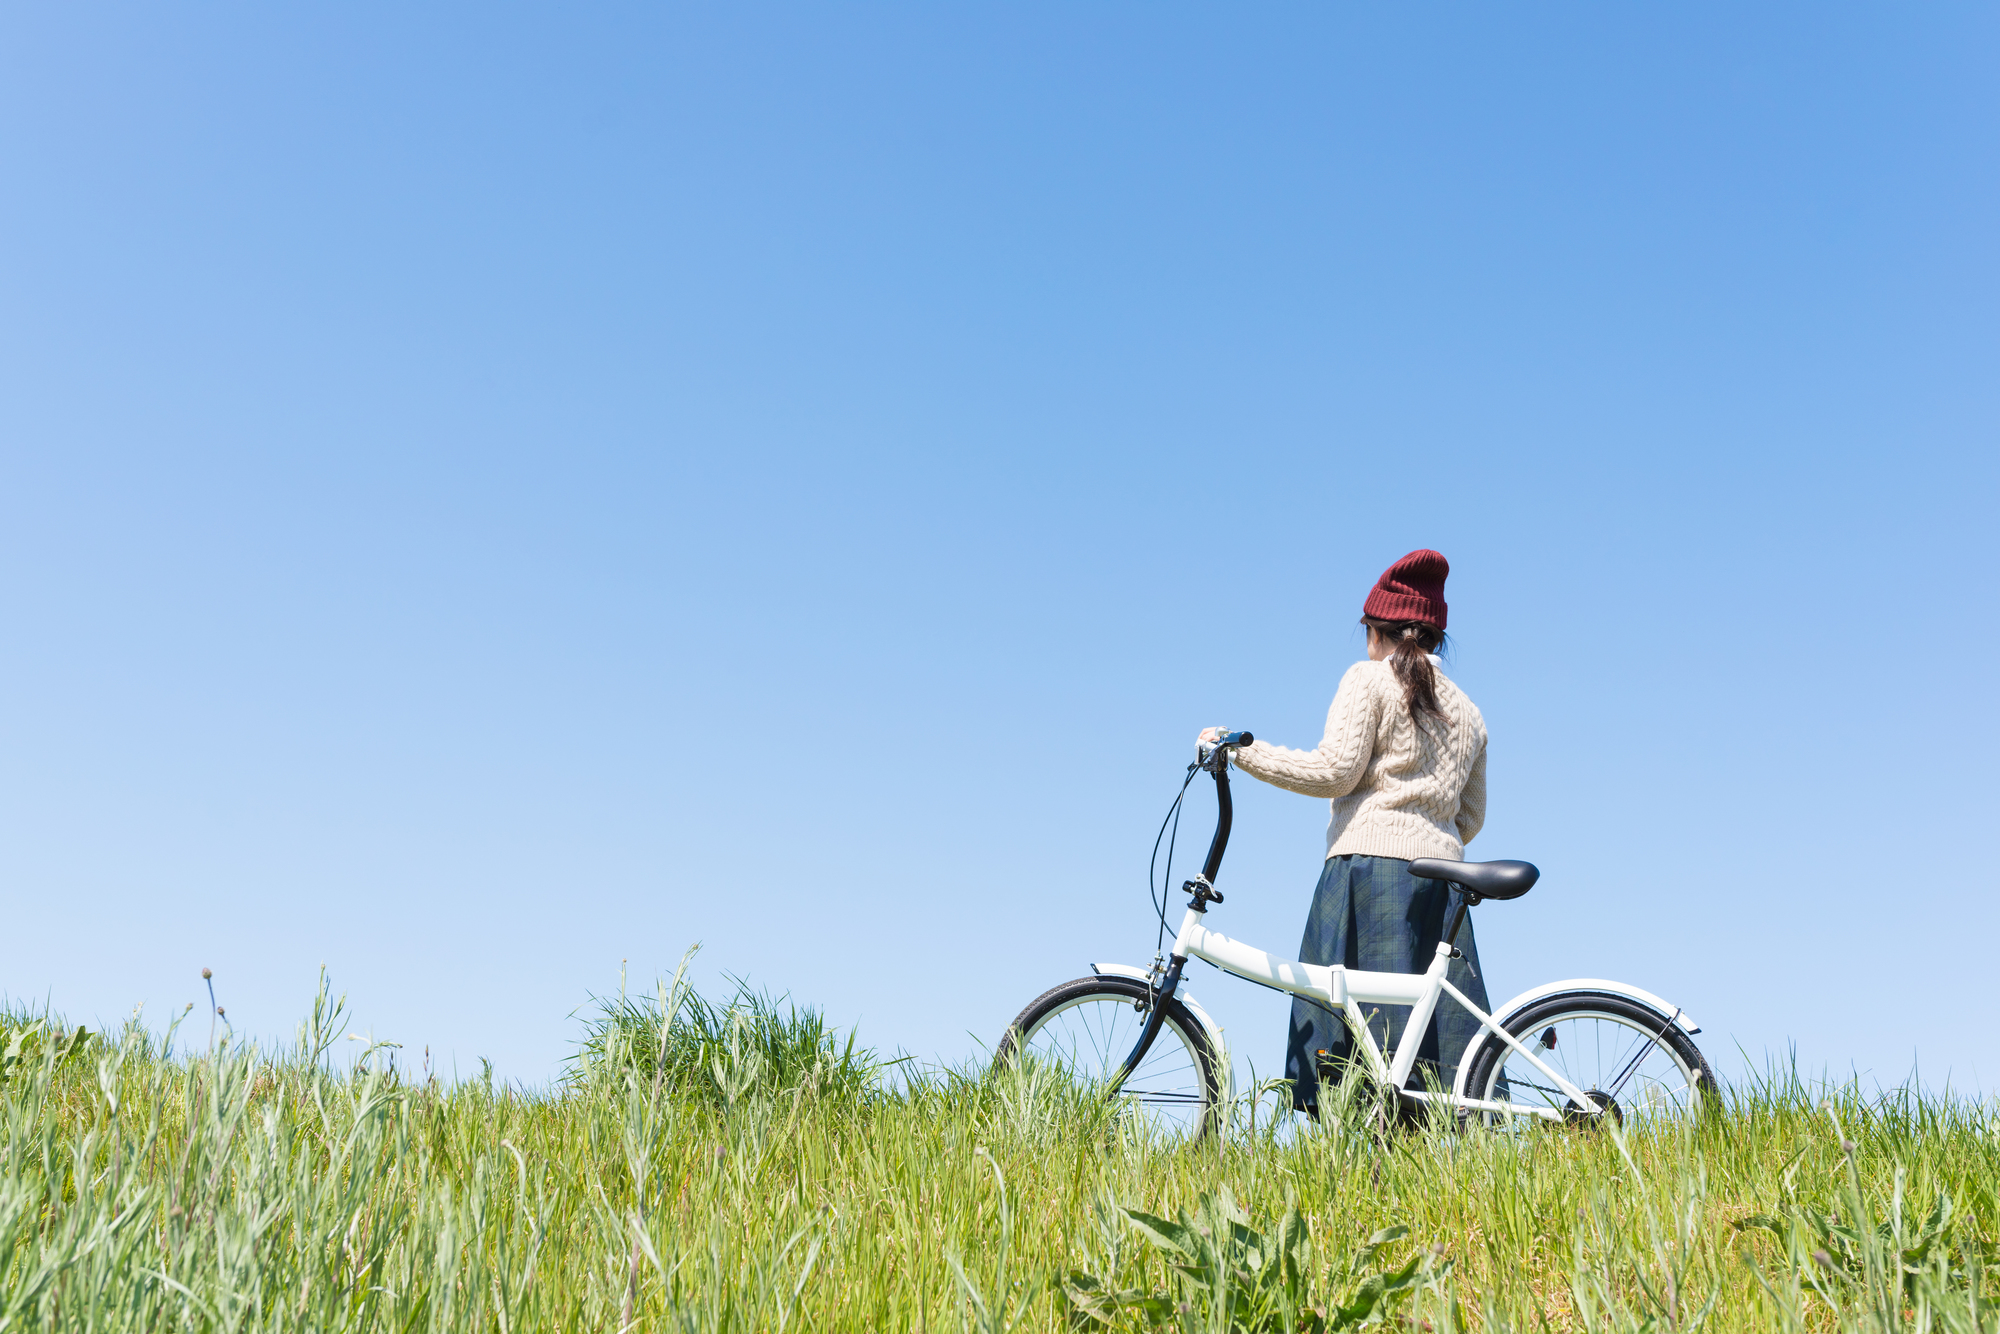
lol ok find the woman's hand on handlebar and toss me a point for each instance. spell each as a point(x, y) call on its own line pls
point(1215, 747)
point(1212, 737)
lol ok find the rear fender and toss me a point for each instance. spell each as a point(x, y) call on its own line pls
point(1225, 1068)
point(1533, 994)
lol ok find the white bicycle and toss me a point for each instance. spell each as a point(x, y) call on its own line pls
point(1571, 1051)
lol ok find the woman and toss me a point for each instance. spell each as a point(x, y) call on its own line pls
point(1404, 760)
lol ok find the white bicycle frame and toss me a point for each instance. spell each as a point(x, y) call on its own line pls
point(1346, 990)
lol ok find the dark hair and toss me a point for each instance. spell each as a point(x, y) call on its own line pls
point(1415, 641)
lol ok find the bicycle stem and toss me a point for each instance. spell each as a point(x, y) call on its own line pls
point(1224, 813)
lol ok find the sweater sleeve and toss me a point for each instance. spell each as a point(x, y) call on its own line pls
point(1337, 766)
point(1472, 800)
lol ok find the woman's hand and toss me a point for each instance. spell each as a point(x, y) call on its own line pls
point(1210, 735)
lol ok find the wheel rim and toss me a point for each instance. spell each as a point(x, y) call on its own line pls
point(1089, 1038)
point(1620, 1061)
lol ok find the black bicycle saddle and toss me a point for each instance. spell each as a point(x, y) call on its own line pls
point(1489, 880)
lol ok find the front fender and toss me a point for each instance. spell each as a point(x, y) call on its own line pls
point(1225, 1068)
point(1502, 1013)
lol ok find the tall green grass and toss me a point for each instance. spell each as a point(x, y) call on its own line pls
point(739, 1166)
point(683, 1044)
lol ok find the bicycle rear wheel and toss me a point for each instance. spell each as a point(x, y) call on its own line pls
point(1086, 1028)
point(1636, 1064)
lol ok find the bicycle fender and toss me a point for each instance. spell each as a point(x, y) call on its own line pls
point(1225, 1066)
point(1503, 1012)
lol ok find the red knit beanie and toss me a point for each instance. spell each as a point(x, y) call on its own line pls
point(1410, 590)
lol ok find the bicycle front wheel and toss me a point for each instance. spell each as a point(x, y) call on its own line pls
point(1085, 1029)
point(1636, 1064)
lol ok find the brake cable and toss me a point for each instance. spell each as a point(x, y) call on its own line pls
point(1159, 896)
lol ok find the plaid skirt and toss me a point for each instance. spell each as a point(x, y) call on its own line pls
point(1371, 913)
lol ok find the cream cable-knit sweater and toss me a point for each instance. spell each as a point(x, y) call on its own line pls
point(1398, 790)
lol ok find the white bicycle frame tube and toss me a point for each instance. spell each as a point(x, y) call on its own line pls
point(1348, 989)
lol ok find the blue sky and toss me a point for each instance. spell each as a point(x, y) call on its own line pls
point(488, 493)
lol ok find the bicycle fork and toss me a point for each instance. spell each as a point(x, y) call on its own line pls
point(1168, 984)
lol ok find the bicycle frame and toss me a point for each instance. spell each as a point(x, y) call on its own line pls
point(1340, 989)
point(1346, 990)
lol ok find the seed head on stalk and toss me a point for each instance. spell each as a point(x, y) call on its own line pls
point(208, 978)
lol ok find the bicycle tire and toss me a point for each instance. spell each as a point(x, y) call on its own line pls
point(1653, 1034)
point(1089, 1026)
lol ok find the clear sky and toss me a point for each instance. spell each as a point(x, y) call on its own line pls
point(488, 492)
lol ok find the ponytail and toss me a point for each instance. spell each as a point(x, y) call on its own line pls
point(1414, 642)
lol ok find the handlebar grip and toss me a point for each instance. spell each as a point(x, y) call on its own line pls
point(1236, 739)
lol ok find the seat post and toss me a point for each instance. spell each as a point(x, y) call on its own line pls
point(1465, 900)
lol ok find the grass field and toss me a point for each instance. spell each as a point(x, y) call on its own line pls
point(740, 1167)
